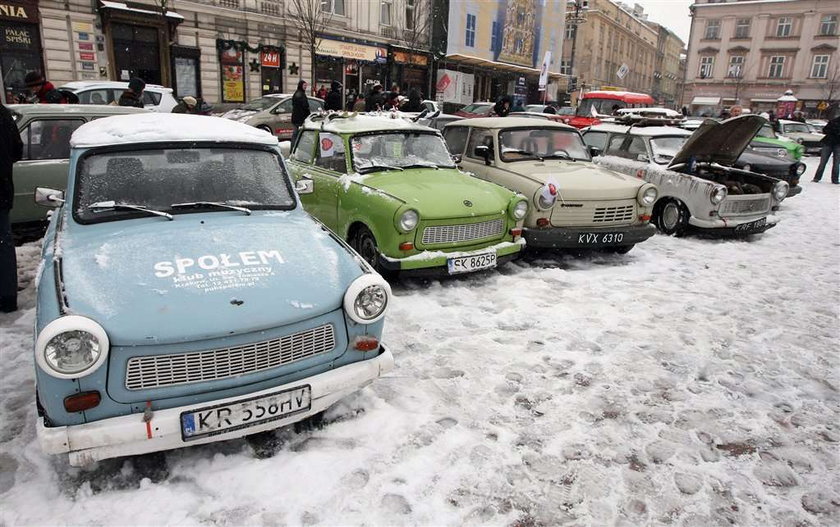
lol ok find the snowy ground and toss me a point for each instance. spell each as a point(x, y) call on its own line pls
point(691, 382)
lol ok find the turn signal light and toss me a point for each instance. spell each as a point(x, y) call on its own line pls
point(366, 343)
point(82, 401)
point(516, 232)
point(406, 246)
point(644, 217)
point(542, 222)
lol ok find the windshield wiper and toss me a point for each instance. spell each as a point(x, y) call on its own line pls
point(559, 154)
point(522, 152)
point(127, 206)
point(425, 165)
point(373, 168)
point(219, 204)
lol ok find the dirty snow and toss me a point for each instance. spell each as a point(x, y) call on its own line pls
point(690, 382)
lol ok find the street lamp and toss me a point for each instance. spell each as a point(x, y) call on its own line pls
point(574, 16)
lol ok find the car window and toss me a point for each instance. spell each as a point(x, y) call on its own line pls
point(429, 106)
point(151, 98)
point(797, 128)
point(330, 153)
point(158, 178)
point(766, 131)
point(596, 139)
point(284, 107)
point(383, 150)
point(258, 105)
point(102, 96)
point(456, 138)
point(665, 148)
point(314, 105)
point(528, 143)
point(636, 146)
point(479, 137)
point(305, 147)
point(48, 139)
point(614, 147)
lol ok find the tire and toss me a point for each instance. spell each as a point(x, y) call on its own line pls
point(365, 244)
point(671, 218)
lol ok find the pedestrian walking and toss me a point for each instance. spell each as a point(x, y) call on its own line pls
point(187, 105)
point(300, 108)
point(133, 96)
point(414, 103)
point(333, 100)
point(41, 90)
point(375, 100)
point(11, 150)
point(830, 149)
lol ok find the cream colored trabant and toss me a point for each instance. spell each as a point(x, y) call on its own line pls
point(575, 204)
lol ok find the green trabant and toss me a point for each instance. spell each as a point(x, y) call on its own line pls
point(45, 130)
point(389, 187)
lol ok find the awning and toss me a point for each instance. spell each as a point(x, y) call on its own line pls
point(763, 100)
point(705, 101)
point(120, 6)
point(484, 63)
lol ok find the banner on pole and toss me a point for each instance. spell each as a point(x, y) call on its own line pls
point(544, 70)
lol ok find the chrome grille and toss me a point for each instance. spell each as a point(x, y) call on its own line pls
point(613, 214)
point(460, 233)
point(156, 371)
point(745, 206)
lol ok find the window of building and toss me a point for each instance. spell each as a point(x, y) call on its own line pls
point(784, 27)
point(335, 7)
point(777, 67)
point(494, 36)
point(470, 38)
point(736, 66)
point(712, 29)
point(828, 25)
point(742, 28)
point(565, 68)
point(385, 13)
point(409, 15)
point(519, 45)
point(819, 67)
point(707, 64)
point(570, 31)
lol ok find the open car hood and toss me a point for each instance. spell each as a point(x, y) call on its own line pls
point(720, 143)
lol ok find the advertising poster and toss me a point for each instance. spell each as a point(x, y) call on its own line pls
point(233, 75)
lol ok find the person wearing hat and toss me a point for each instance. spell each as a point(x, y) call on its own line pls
point(133, 96)
point(333, 100)
point(187, 105)
point(42, 90)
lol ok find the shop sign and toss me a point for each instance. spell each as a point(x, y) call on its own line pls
point(88, 66)
point(86, 46)
point(455, 86)
point(349, 50)
point(18, 12)
point(87, 56)
point(82, 36)
point(17, 37)
point(416, 58)
point(233, 75)
point(82, 27)
point(270, 59)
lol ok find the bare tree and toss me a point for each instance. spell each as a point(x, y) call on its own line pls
point(831, 85)
point(310, 18)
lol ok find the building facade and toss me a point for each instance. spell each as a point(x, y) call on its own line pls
point(750, 53)
point(667, 76)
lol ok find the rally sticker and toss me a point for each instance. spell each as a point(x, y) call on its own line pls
point(216, 272)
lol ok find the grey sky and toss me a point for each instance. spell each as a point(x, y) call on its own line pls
point(672, 14)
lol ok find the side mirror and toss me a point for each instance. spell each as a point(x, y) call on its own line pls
point(305, 186)
point(642, 157)
point(285, 149)
point(456, 158)
point(50, 198)
point(594, 151)
point(483, 151)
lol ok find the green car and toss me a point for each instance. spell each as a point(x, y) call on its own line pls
point(390, 188)
point(45, 130)
point(767, 142)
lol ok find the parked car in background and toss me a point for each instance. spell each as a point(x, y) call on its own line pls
point(389, 187)
point(45, 130)
point(700, 190)
point(659, 145)
point(574, 204)
point(766, 141)
point(431, 106)
point(539, 115)
point(272, 113)
point(155, 97)
point(597, 104)
point(439, 121)
point(476, 109)
point(802, 134)
point(174, 218)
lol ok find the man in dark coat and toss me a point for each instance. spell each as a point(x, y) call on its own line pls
point(414, 104)
point(375, 101)
point(42, 91)
point(333, 100)
point(300, 108)
point(11, 150)
point(133, 96)
point(830, 147)
point(502, 107)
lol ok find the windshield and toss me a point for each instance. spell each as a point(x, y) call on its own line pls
point(665, 148)
point(263, 103)
point(766, 131)
point(476, 108)
point(159, 178)
point(602, 106)
point(797, 128)
point(541, 143)
point(399, 150)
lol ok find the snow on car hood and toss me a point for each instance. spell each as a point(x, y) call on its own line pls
point(205, 275)
point(720, 143)
point(581, 180)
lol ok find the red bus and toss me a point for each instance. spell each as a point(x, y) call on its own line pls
point(603, 103)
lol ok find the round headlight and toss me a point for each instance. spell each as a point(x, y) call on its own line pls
point(648, 196)
point(799, 140)
point(71, 346)
point(800, 169)
point(718, 195)
point(520, 210)
point(409, 220)
point(746, 167)
point(780, 190)
point(546, 196)
point(367, 298)
point(781, 152)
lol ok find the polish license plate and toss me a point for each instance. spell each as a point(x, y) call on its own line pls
point(475, 262)
point(600, 238)
point(214, 420)
point(751, 226)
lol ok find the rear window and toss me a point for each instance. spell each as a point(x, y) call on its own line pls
point(151, 98)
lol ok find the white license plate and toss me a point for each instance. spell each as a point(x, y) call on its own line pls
point(219, 419)
point(475, 262)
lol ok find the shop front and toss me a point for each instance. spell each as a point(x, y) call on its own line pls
point(20, 44)
point(358, 66)
point(410, 69)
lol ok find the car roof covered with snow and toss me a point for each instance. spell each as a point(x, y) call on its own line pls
point(70, 109)
point(166, 128)
point(351, 123)
point(639, 130)
point(512, 122)
point(83, 85)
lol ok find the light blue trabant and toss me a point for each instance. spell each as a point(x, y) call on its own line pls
point(185, 297)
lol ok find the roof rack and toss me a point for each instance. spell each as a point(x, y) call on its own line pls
point(648, 120)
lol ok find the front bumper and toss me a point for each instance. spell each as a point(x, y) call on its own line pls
point(733, 227)
point(587, 238)
point(434, 263)
point(128, 435)
point(793, 190)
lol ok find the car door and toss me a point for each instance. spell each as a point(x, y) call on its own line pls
point(330, 175)
point(476, 164)
point(281, 119)
point(46, 152)
point(322, 202)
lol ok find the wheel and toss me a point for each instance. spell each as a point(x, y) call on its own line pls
point(619, 249)
point(671, 218)
point(365, 244)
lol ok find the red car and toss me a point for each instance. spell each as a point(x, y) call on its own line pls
point(476, 109)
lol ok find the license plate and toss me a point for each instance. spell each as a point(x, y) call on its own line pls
point(476, 262)
point(600, 238)
point(751, 226)
point(219, 419)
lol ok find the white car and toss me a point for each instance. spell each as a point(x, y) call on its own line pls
point(155, 97)
point(802, 134)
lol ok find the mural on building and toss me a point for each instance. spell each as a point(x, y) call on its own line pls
point(520, 32)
